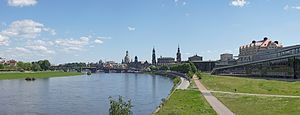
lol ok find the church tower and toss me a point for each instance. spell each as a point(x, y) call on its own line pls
point(178, 55)
point(126, 58)
point(153, 57)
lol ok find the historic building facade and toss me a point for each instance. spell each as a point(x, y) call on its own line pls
point(165, 61)
point(195, 58)
point(276, 62)
point(226, 59)
point(247, 52)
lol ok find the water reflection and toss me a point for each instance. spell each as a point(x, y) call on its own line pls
point(82, 94)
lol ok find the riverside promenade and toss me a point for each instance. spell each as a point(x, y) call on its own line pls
point(218, 106)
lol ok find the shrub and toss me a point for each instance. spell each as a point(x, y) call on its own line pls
point(120, 107)
point(164, 67)
point(193, 67)
point(190, 74)
point(182, 68)
point(198, 73)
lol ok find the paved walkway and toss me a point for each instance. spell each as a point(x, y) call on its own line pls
point(218, 106)
point(184, 84)
point(250, 94)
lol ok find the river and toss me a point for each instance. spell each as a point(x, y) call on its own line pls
point(82, 95)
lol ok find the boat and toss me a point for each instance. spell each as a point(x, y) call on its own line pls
point(29, 78)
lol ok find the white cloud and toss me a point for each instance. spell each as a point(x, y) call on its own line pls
point(40, 49)
point(296, 7)
point(21, 3)
point(98, 41)
point(286, 7)
point(239, 3)
point(3, 40)
point(104, 38)
point(180, 2)
point(40, 42)
point(21, 49)
point(51, 31)
point(25, 29)
point(73, 44)
point(131, 28)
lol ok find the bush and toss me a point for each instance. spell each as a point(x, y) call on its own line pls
point(176, 80)
point(182, 68)
point(1, 66)
point(120, 107)
point(193, 67)
point(153, 68)
point(198, 73)
point(190, 74)
point(164, 67)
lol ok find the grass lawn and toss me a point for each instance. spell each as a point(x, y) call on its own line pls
point(186, 102)
point(248, 85)
point(193, 86)
point(36, 75)
point(253, 105)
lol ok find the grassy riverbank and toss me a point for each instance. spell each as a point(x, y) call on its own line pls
point(186, 102)
point(258, 105)
point(255, 105)
point(22, 75)
point(248, 85)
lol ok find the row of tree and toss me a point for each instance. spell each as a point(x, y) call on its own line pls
point(182, 68)
point(41, 65)
point(1, 66)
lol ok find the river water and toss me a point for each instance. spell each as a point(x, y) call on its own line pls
point(82, 95)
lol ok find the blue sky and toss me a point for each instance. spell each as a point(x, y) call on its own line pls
point(89, 30)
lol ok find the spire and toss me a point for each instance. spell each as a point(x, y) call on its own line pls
point(178, 55)
point(126, 58)
point(153, 56)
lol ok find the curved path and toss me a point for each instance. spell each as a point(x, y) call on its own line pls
point(184, 84)
point(250, 94)
point(218, 106)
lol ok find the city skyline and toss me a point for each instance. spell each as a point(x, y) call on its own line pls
point(87, 31)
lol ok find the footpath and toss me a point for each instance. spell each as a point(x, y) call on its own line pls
point(218, 106)
point(259, 95)
point(184, 84)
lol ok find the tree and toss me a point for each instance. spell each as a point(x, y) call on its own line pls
point(20, 65)
point(164, 67)
point(27, 66)
point(153, 68)
point(193, 67)
point(44, 64)
point(182, 68)
point(120, 107)
point(36, 66)
point(1, 66)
